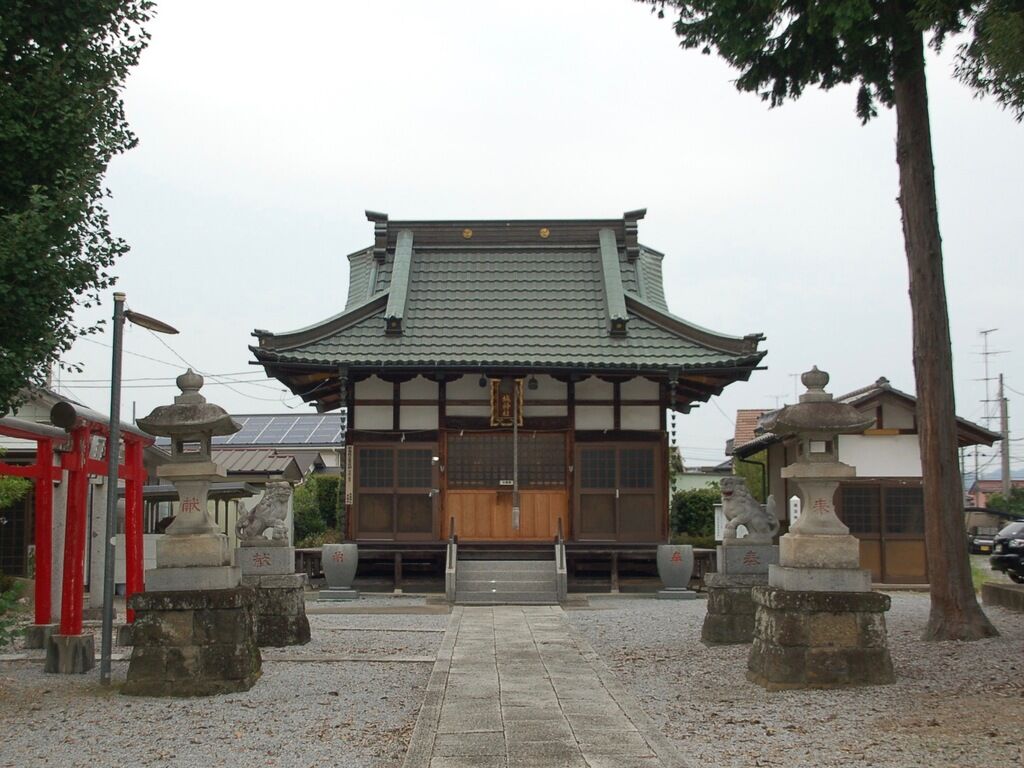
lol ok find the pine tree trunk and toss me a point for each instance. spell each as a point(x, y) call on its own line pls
point(955, 614)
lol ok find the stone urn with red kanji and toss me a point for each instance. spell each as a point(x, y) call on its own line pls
point(339, 563)
point(675, 568)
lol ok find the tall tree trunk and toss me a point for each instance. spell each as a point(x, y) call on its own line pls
point(955, 614)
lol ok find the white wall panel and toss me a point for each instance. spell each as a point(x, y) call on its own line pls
point(374, 388)
point(592, 388)
point(375, 417)
point(639, 388)
point(640, 417)
point(419, 389)
point(595, 417)
point(418, 416)
point(882, 455)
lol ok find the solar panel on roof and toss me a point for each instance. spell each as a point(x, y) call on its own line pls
point(300, 432)
point(252, 429)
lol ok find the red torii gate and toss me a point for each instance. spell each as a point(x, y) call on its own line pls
point(72, 446)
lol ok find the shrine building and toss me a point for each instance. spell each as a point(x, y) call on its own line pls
point(506, 382)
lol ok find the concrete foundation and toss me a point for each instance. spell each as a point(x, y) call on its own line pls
point(731, 609)
point(200, 578)
point(676, 593)
point(193, 643)
point(819, 640)
point(280, 610)
point(36, 635)
point(1010, 596)
point(337, 595)
point(70, 654)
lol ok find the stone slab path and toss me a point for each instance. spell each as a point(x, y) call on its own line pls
point(516, 687)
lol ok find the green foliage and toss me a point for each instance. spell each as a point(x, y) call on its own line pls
point(1014, 504)
point(992, 62)
point(329, 536)
point(675, 464)
point(10, 592)
point(13, 490)
point(781, 47)
point(693, 513)
point(699, 542)
point(316, 506)
point(62, 67)
point(752, 471)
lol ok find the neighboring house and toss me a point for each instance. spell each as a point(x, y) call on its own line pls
point(696, 478)
point(883, 506)
point(980, 490)
point(455, 331)
point(268, 448)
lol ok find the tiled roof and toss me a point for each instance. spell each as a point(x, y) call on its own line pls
point(506, 303)
point(256, 461)
point(746, 424)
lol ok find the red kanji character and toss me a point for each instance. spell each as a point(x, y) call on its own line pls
point(750, 558)
point(338, 557)
point(677, 556)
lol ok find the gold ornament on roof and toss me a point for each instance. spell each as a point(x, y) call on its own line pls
point(467, 233)
point(545, 233)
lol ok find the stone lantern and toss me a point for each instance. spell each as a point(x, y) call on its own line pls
point(193, 540)
point(818, 622)
point(195, 626)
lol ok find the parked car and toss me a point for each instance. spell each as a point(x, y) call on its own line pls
point(1008, 551)
point(980, 540)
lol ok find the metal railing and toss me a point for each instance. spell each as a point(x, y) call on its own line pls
point(451, 562)
point(561, 572)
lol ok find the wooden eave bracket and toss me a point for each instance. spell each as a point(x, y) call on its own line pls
point(615, 296)
point(399, 283)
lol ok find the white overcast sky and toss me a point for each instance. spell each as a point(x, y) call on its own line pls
point(265, 130)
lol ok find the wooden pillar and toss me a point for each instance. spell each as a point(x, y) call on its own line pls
point(134, 555)
point(74, 536)
point(398, 570)
point(615, 572)
point(43, 530)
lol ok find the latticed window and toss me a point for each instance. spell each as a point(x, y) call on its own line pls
point(637, 468)
point(859, 508)
point(415, 468)
point(904, 510)
point(376, 468)
point(484, 460)
point(598, 468)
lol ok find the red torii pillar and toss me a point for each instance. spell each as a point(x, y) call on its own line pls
point(43, 474)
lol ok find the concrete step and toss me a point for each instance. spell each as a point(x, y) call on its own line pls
point(479, 585)
point(506, 566)
point(506, 598)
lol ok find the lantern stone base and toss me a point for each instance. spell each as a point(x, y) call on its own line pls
point(193, 643)
point(193, 549)
point(731, 609)
point(819, 579)
point(737, 558)
point(70, 654)
point(198, 578)
point(819, 640)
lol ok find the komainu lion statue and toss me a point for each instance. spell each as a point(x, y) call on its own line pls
point(740, 508)
point(268, 515)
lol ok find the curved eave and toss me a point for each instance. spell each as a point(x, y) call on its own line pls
point(282, 342)
point(719, 342)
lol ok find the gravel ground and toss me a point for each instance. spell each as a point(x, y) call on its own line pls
point(954, 704)
point(352, 714)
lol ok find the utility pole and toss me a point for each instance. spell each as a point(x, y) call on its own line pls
point(1004, 424)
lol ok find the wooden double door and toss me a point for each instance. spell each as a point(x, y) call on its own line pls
point(480, 470)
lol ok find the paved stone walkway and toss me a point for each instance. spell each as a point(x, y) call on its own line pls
point(515, 687)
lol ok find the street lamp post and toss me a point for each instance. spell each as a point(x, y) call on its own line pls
point(113, 459)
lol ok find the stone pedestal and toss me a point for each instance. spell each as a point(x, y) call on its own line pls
point(280, 595)
point(70, 654)
point(810, 639)
point(730, 616)
point(741, 567)
point(193, 643)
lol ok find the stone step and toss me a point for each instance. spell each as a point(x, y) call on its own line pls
point(506, 566)
point(479, 585)
point(506, 598)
